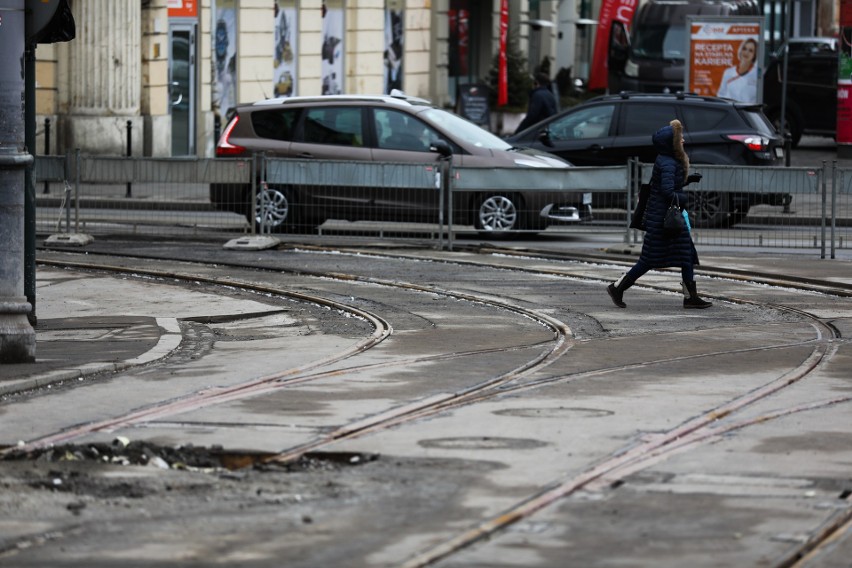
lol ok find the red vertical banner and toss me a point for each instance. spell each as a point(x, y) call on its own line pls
point(502, 69)
point(844, 79)
point(620, 10)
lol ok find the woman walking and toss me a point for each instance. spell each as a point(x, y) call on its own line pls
point(668, 177)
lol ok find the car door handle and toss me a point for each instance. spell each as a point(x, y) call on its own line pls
point(596, 147)
point(305, 155)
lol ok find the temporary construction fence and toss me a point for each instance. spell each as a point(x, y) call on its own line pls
point(151, 196)
point(741, 206)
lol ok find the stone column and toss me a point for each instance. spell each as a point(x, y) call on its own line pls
point(17, 337)
point(105, 76)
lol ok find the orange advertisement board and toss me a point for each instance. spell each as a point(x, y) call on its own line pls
point(183, 8)
point(724, 59)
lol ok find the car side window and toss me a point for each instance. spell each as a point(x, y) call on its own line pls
point(329, 125)
point(644, 119)
point(276, 124)
point(696, 119)
point(400, 131)
point(593, 122)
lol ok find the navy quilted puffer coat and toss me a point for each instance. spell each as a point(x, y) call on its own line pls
point(667, 179)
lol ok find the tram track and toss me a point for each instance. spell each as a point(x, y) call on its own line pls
point(699, 430)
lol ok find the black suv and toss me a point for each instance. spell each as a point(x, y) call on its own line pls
point(611, 129)
point(811, 106)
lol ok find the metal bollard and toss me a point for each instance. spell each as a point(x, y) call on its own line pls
point(788, 146)
point(46, 149)
point(129, 151)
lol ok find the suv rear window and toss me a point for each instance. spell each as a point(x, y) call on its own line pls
point(276, 124)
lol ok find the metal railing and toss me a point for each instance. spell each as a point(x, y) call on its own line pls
point(766, 207)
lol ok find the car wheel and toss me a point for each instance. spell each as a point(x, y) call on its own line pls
point(709, 209)
point(275, 212)
point(497, 215)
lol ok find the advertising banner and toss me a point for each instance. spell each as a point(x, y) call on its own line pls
point(503, 69)
point(394, 44)
point(284, 58)
point(224, 56)
point(332, 47)
point(611, 10)
point(844, 82)
point(725, 56)
point(844, 112)
point(183, 8)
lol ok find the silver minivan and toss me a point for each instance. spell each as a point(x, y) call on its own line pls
point(382, 129)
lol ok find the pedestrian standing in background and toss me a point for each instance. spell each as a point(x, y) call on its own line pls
point(542, 103)
point(670, 174)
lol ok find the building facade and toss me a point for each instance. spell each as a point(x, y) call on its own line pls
point(164, 73)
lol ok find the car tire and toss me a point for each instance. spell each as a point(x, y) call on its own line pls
point(275, 211)
point(496, 214)
point(709, 209)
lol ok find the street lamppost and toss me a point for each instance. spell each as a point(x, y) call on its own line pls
point(17, 337)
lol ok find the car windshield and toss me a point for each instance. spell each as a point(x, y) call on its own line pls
point(659, 42)
point(463, 131)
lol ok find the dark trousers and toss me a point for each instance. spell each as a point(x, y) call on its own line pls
point(640, 268)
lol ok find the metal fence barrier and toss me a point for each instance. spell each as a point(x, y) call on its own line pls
point(357, 197)
point(746, 206)
point(772, 207)
point(152, 196)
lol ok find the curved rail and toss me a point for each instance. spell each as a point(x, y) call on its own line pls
point(696, 431)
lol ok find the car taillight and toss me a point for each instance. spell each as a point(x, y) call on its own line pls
point(224, 147)
point(751, 141)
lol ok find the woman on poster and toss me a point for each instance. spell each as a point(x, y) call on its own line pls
point(740, 81)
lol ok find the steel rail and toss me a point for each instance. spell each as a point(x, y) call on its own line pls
point(382, 329)
point(693, 432)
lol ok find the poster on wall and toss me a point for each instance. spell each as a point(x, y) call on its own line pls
point(394, 43)
point(458, 23)
point(284, 73)
point(332, 47)
point(224, 57)
point(724, 58)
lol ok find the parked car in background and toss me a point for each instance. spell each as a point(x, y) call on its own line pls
point(649, 54)
point(611, 129)
point(381, 129)
point(811, 105)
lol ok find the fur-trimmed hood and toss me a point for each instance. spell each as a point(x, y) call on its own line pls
point(668, 141)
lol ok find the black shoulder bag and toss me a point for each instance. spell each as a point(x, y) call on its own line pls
point(674, 222)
